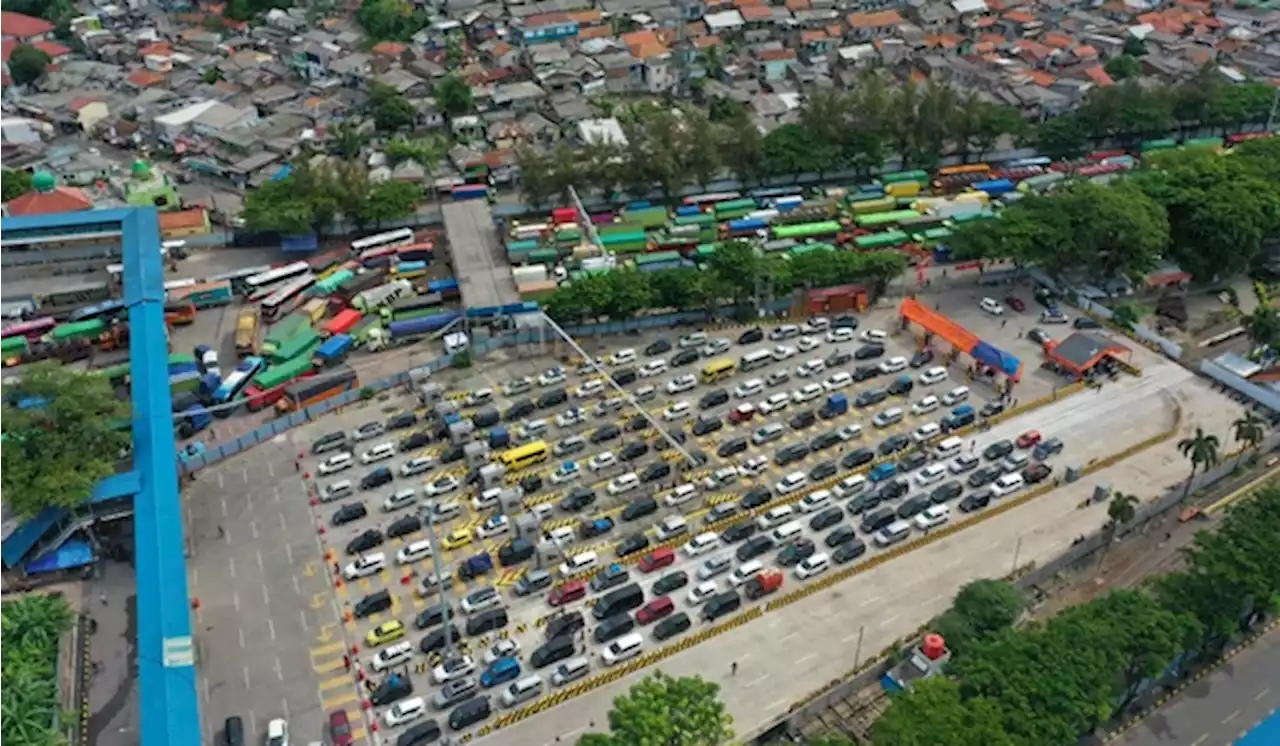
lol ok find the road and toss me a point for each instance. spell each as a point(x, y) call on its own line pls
point(1221, 707)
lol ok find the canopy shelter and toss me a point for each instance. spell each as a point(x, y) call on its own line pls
point(960, 338)
point(1080, 352)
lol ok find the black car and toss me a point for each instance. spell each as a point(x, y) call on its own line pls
point(946, 491)
point(1036, 473)
point(657, 347)
point(850, 551)
point(838, 357)
point(1045, 297)
point(975, 500)
point(672, 581)
point(868, 352)
point(870, 397)
point(672, 626)
point(984, 476)
point(845, 322)
point(713, 399)
point(685, 357)
point(804, 419)
point(865, 372)
point(707, 425)
point(519, 411)
point(921, 358)
point(824, 441)
point(392, 689)
point(751, 336)
point(1084, 322)
point(434, 642)
point(796, 552)
point(842, 535)
point(656, 470)
point(365, 541)
point(791, 454)
point(552, 398)
point(348, 513)
point(639, 508)
point(998, 450)
point(451, 454)
point(404, 526)
point(624, 376)
point(433, 616)
point(632, 544)
point(902, 386)
point(605, 433)
point(823, 471)
point(531, 484)
point(732, 447)
point(754, 547)
point(893, 444)
point(1039, 336)
point(913, 505)
point(857, 457)
point(755, 498)
point(892, 489)
point(636, 423)
point(991, 409)
point(577, 499)
point(414, 440)
point(376, 478)
point(826, 519)
point(662, 444)
point(597, 527)
point(866, 501)
point(912, 461)
point(738, 531)
point(402, 420)
point(633, 451)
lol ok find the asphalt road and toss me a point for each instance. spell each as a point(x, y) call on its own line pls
point(1221, 707)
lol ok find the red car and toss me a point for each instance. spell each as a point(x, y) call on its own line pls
point(1029, 439)
point(339, 728)
point(1015, 303)
point(1035, 473)
point(655, 610)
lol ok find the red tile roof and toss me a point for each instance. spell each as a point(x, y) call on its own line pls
point(879, 19)
point(158, 48)
point(1058, 41)
point(756, 12)
point(52, 48)
point(182, 219)
point(1019, 16)
point(389, 48)
point(79, 103)
point(22, 26)
point(1041, 78)
point(61, 199)
point(6, 48)
point(1099, 76)
point(144, 78)
point(771, 55)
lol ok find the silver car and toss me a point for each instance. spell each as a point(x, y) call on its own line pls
point(454, 692)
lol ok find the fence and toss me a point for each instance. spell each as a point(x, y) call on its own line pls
point(1263, 396)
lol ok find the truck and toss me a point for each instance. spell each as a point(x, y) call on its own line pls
point(401, 332)
point(308, 391)
point(763, 584)
point(499, 437)
point(299, 345)
point(193, 420)
point(374, 298)
point(837, 404)
point(475, 566)
point(346, 319)
point(332, 351)
point(247, 321)
point(288, 327)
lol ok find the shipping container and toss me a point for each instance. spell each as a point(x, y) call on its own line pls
point(299, 345)
point(696, 218)
point(361, 282)
point(374, 298)
point(658, 258)
point(342, 323)
point(289, 326)
point(881, 219)
point(872, 206)
point(735, 208)
point(13, 346)
point(421, 326)
point(902, 189)
point(281, 373)
point(184, 382)
point(807, 230)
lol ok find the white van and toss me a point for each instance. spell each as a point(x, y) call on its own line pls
point(1007, 485)
point(850, 486)
point(410, 553)
point(890, 416)
point(532, 429)
point(955, 395)
point(753, 360)
point(815, 501)
point(380, 452)
point(562, 536)
point(677, 411)
point(624, 483)
point(336, 490)
point(404, 711)
point(622, 357)
point(933, 375)
point(925, 405)
point(787, 531)
point(948, 448)
point(522, 690)
point(893, 533)
point(775, 517)
point(365, 565)
point(702, 543)
point(579, 562)
point(337, 463)
point(932, 473)
point(401, 499)
point(571, 670)
point(744, 572)
point(416, 466)
point(681, 494)
point(478, 397)
point(645, 393)
point(393, 655)
point(925, 432)
point(623, 648)
point(748, 388)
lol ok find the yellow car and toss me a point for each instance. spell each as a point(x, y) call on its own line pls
point(385, 633)
point(459, 538)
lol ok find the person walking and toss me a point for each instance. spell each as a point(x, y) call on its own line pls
point(733, 669)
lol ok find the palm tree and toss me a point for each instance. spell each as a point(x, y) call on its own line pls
point(1249, 430)
point(1202, 450)
point(1122, 509)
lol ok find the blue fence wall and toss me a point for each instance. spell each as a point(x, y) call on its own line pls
point(1261, 394)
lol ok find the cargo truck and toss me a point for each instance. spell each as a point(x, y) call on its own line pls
point(402, 332)
point(304, 393)
point(332, 351)
point(837, 404)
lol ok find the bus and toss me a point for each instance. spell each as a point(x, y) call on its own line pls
point(247, 322)
point(711, 198)
point(76, 295)
point(268, 387)
point(329, 284)
point(525, 456)
point(239, 277)
point(382, 243)
point(271, 277)
point(303, 394)
point(105, 310)
point(204, 294)
point(286, 298)
point(1041, 161)
point(32, 330)
point(328, 261)
point(179, 312)
point(967, 168)
point(808, 230)
point(717, 370)
point(88, 329)
point(235, 382)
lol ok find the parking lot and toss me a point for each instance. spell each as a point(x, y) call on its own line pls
point(254, 533)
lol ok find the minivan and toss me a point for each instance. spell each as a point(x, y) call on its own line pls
point(416, 466)
point(878, 519)
point(618, 601)
point(379, 452)
point(469, 713)
point(329, 442)
point(376, 478)
point(787, 531)
point(556, 649)
point(534, 580)
point(522, 690)
point(893, 533)
point(767, 434)
point(336, 490)
point(335, 464)
point(400, 499)
point(624, 648)
point(372, 604)
point(570, 670)
point(744, 572)
point(487, 621)
point(948, 448)
point(614, 627)
point(891, 416)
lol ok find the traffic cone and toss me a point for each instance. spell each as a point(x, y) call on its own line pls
point(405, 580)
point(365, 704)
point(328, 555)
point(355, 650)
point(374, 726)
point(313, 502)
point(306, 475)
point(337, 583)
point(359, 674)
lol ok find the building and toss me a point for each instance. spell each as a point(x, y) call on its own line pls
point(150, 188)
point(46, 198)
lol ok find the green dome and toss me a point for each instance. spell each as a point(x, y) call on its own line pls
point(141, 170)
point(43, 182)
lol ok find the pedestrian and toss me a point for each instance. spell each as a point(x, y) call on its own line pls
point(1004, 323)
point(336, 569)
point(103, 598)
point(297, 466)
point(346, 663)
point(222, 532)
point(733, 669)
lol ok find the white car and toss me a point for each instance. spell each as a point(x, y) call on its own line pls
point(594, 387)
point(783, 352)
point(753, 466)
point(368, 431)
point(936, 374)
point(337, 463)
point(653, 368)
point(571, 416)
point(849, 432)
point(676, 411)
point(567, 472)
point(934, 515)
point(278, 732)
point(551, 377)
point(925, 405)
point(443, 511)
point(494, 526)
point(692, 340)
point(775, 403)
point(517, 386)
point(791, 482)
point(814, 565)
point(991, 306)
point(681, 494)
point(701, 592)
point(811, 367)
point(893, 365)
point(808, 393)
point(623, 357)
point(777, 378)
point(714, 347)
point(625, 483)
point(364, 566)
point(786, 331)
point(680, 384)
point(209, 361)
point(501, 649)
point(838, 381)
point(748, 388)
point(454, 668)
point(874, 336)
point(478, 397)
point(842, 334)
point(815, 325)
point(702, 543)
point(964, 462)
point(932, 473)
point(405, 711)
point(442, 486)
point(808, 343)
point(602, 460)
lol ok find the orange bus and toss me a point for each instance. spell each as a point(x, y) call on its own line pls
point(967, 168)
point(179, 313)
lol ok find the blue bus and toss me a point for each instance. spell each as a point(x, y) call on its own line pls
point(235, 382)
point(108, 309)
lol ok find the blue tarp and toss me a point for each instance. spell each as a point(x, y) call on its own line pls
point(994, 357)
point(995, 188)
point(76, 552)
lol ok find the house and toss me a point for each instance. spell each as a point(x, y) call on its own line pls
point(771, 64)
point(47, 197)
point(518, 97)
point(869, 26)
point(544, 27)
point(23, 28)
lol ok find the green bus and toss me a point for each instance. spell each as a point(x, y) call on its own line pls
point(287, 328)
point(872, 206)
point(329, 285)
point(14, 345)
point(649, 217)
point(277, 374)
point(1151, 146)
point(882, 240)
point(932, 237)
point(808, 230)
point(735, 208)
point(299, 344)
point(116, 374)
point(1205, 143)
point(810, 248)
point(894, 178)
point(882, 219)
point(78, 330)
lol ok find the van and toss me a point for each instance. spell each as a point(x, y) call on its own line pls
point(774, 517)
point(405, 710)
point(624, 648)
point(662, 557)
point(721, 604)
point(515, 552)
point(577, 563)
point(878, 519)
point(336, 490)
point(767, 434)
point(618, 601)
point(891, 416)
point(701, 543)
point(787, 531)
point(487, 621)
point(1007, 485)
point(532, 581)
point(570, 670)
point(335, 464)
point(376, 478)
point(567, 593)
point(372, 604)
point(420, 734)
point(378, 453)
point(925, 432)
point(744, 572)
point(329, 442)
point(948, 448)
point(522, 690)
point(556, 649)
point(815, 501)
point(416, 466)
point(645, 393)
point(955, 395)
point(714, 566)
point(401, 499)
point(469, 713)
point(753, 360)
point(893, 533)
point(393, 655)
point(851, 486)
point(233, 731)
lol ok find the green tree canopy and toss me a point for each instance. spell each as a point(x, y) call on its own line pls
point(933, 713)
point(55, 453)
point(666, 711)
point(1123, 67)
point(392, 20)
point(14, 183)
point(981, 608)
point(453, 96)
point(387, 200)
point(390, 109)
point(27, 64)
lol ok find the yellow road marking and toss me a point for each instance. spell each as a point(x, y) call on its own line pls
point(336, 682)
point(318, 600)
point(339, 700)
point(327, 650)
point(327, 666)
point(309, 569)
point(326, 634)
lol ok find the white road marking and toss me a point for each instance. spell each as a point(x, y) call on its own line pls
point(303, 615)
point(271, 468)
point(253, 528)
point(887, 621)
point(204, 686)
point(246, 670)
point(284, 525)
point(280, 675)
point(271, 630)
point(253, 716)
point(753, 682)
point(288, 553)
point(266, 598)
point(231, 561)
point(296, 588)
point(235, 600)
point(220, 485)
point(244, 474)
point(258, 553)
point(868, 602)
point(275, 494)
point(808, 657)
point(224, 500)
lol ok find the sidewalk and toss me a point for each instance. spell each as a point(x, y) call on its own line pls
point(113, 693)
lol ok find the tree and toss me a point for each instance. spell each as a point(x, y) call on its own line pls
point(741, 146)
point(30, 628)
point(982, 608)
point(699, 154)
point(59, 449)
point(1121, 509)
point(980, 124)
point(305, 201)
point(665, 711)
point(387, 200)
point(453, 96)
point(1134, 47)
point(934, 713)
point(1249, 430)
point(535, 176)
point(1263, 326)
point(1123, 67)
point(27, 64)
point(739, 265)
point(1201, 449)
point(390, 109)
point(391, 20)
point(1063, 137)
point(14, 184)
point(347, 138)
point(1127, 315)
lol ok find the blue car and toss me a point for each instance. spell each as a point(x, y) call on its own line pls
point(883, 471)
point(500, 672)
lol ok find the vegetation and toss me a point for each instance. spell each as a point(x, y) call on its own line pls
point(392, 20)
point(27, 64)
point(1202, 450)
point(310, 198)
point(244, 10)
point(1249, 430)
point(14, 184)
point(62, 442)
point(664, 711)
point(29, 632)
point(390, 109)
point(453, 96)
point(57, 12)
point(735, 272)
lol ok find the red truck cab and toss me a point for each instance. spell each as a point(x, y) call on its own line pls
point(763, 584)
